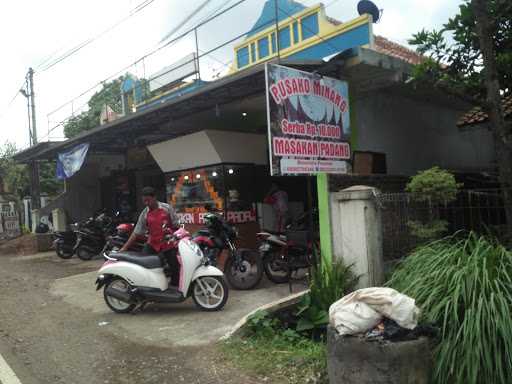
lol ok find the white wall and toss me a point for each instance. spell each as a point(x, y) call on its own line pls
point(416, 135)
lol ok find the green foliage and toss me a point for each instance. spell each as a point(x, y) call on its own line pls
point(427, 231)
point(16, 176)
point(110, 95)
point(261, 323)
point(285, 357)
point(464, 285)
point(434, 185)
point(455, 60)
point(330, 281)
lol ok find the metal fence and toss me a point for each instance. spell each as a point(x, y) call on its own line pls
point(481, 210)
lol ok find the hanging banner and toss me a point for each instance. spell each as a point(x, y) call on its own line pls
point(70, 162)
point(308, 122)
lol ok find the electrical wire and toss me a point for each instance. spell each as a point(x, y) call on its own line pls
point(44, 67)
point(12, 100)
point(169, 43)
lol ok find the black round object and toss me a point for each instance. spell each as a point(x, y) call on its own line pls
point(366, 6)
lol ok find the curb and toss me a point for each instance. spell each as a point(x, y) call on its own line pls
point(270, 307)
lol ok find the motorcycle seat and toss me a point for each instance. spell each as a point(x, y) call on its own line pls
point(274, 232)
point(146, 261)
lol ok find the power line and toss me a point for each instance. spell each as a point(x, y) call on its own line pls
point(85, 43)
point(169, 43)
point(12, 100)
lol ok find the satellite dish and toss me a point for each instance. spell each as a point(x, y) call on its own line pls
point(366, 6)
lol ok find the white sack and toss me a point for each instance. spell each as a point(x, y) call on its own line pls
point(363, 309)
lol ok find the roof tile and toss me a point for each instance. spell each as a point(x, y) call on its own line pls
point(478, 116)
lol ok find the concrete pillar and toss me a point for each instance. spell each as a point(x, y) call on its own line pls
point(26, 212)
point(36, 217)
point(45, 199)
point(59, 219)
point(357, 233)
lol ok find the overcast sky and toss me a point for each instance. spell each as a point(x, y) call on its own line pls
point(32, 31)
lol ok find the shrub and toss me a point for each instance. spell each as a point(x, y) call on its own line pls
point(433, 186)
point(464, 285)
point(330, 281)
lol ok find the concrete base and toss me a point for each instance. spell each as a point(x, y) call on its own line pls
point(28, 244)
point(353, 360)
point(168, 324)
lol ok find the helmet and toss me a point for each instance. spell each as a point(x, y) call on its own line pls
point(125, 227)
point(210, 218)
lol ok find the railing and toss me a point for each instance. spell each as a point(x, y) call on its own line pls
point(213, 42)
point(482, 210)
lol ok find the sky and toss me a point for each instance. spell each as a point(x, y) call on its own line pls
point(36, 33)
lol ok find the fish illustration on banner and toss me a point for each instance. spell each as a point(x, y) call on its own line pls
point(70, 162)
point(308, 122)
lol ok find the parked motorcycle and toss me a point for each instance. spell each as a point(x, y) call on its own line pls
point(116, 241)
point(287, 254)
point(91, 236)
point(131, 280)
point(64, 242)
point(243, 267)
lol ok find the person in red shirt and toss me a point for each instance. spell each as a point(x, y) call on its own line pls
point(154, 219)
point(279, 201)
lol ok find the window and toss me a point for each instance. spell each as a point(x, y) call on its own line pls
point(284, 38)
point(295, 33)
point(309, 26)
point(273, 40)
point(253, 52)
point(263, 47)
point(242, 57)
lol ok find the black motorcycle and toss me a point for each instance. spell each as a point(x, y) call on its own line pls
point(64, 243)
point(91, 236)
point(243, 267)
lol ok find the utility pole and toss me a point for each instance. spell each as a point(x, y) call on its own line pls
point(35, 189)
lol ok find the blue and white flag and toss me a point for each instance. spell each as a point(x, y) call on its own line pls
point(70, 162)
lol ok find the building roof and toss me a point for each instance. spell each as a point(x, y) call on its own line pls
point(478, 116)
point(391, 48)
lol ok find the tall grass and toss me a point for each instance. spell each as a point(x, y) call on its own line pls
point(464, 285)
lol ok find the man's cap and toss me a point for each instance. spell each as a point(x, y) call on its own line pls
point(148, 191)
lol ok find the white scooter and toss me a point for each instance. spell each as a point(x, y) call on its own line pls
point(131, 280)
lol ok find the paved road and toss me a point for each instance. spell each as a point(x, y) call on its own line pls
point(45, 338)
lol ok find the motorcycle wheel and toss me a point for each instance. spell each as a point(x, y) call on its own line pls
point(84, 254)
point(251, 274)
point(114, 304)
point(275, 273)
point(64, 252)
point(210, 293)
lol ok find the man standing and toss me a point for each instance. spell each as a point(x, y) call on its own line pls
point(154, 218)
point(279, 200)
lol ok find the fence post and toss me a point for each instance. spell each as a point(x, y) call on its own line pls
point(357, 233)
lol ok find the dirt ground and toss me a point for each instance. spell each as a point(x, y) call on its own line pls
point(45, 340)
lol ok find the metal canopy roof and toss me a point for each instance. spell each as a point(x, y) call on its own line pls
point(218, 105)
point(162, 122)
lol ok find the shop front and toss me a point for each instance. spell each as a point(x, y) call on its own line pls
point(233, 179)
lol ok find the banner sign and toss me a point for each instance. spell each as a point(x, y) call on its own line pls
point(308, 122)
point(70, 162)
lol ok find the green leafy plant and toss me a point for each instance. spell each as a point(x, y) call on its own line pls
point(330, 281)
point(262, 323)
point(433, 186)
point(464, 285)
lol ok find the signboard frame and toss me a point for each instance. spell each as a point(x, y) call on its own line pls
point(308, 122)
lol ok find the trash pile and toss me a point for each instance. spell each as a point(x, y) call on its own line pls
point(378, 314)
